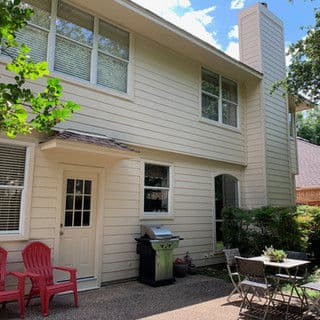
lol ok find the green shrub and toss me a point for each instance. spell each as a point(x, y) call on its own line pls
point(289, 228)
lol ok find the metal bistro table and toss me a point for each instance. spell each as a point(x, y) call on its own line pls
point(291, 267)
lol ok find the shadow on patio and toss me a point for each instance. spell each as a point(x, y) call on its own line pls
point(194, 297)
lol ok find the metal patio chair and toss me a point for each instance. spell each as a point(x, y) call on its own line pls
point(312, 303)
point(300, 275)
point(256, 284)
point(37, 260)
point(230, 255)
point(14, 294)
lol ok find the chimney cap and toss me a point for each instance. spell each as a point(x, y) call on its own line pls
point(264, 4)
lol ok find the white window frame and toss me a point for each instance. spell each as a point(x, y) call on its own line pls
point(157, 215)
point(214, 229)
point(92, 83)
point(25, 206)
point(220, 100)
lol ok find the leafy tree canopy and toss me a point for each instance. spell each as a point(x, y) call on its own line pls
point(21, 109)
point(308, 125)
point(303, 76)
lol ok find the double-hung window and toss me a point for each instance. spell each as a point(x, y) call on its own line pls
point(12, 185)
point(81, 45)
point(219, 98)
point(157, 188)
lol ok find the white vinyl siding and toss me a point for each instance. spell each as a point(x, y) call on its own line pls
point(84, 47)
point(12, 185)
point(219, 98)
point(262, 47)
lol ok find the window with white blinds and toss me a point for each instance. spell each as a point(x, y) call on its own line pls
point(35, 34)
point(84, 47)
point(12, 177)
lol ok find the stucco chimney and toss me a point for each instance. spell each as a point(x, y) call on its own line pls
point(261, 44)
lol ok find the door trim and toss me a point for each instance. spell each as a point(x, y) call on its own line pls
point(100, 186)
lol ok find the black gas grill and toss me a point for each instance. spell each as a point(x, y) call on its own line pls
point(155, 247)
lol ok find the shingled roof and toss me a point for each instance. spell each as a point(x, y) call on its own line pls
point(83, 137)
point(309, 164)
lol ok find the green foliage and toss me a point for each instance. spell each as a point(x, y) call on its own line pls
point(275, 255)
point(22, 110)
point(308, 125)
point(292, 228)
point(303, 74)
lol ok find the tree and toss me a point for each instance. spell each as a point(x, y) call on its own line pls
point(303, 75)
point(308, 125)
point(21, 110)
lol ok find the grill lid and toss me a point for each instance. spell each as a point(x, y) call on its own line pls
point(155, 232)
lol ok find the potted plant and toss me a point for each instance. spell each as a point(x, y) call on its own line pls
point(274, 254)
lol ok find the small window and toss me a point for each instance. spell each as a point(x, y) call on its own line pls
point(156, 188)
point(12, 184)
point(219, 99)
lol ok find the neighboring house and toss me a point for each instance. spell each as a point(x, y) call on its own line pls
point(308, 179)
point(194, 130)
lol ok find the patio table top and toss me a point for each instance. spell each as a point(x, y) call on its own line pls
point(286, 264)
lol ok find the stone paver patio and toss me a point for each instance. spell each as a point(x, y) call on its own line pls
point(194, 297)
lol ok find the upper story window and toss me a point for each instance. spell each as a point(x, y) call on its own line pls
point(157, 188)
point(12, 185)
point(219, 99)
point(83, 46)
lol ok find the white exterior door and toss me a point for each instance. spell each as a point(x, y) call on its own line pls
point(78, 223)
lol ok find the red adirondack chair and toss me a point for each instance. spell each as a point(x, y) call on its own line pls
point(37, 260)
point(11, 295)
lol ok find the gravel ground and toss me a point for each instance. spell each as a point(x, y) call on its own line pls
point(191, 298)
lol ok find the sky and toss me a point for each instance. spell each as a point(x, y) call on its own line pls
point(215, 21)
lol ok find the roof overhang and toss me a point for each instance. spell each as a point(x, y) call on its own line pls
point(141, 21)
point(67, 142)
point(299, 103)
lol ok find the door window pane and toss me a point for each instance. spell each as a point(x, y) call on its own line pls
point(86, 203)
point(70, 185)
point(87, 187)
point(69, 202)
point(86, 218)
point(79, 186)
point(68, 219)
point(77, 219)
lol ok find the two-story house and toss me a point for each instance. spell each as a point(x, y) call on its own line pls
point(170, 130)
